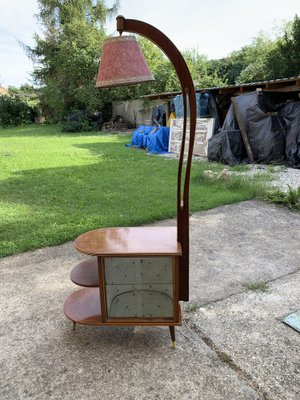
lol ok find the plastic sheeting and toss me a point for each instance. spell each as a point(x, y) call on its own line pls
point(202, 103)
point(273, 130)
point(291, 115)
point(213, 112)
point(158, 142)
point(227, 147)
point(159, 115)
point(140, 134)
point(206, 107)
point(266, 135)
point(152, 138)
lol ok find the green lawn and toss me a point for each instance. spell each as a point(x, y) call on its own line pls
point(54, 186)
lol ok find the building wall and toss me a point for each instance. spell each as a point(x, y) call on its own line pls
point(134, 111)
point(3, 90)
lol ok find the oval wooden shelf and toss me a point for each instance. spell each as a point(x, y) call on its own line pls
point(130, 242)
point(83, 307)
point(86, 273)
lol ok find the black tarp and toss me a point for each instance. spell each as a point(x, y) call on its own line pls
point(159, 115)
point(266, 135)
point(291, 115)
point(227, 147)
point(272, 126)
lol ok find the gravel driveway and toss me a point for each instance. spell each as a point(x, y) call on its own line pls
point(283, 177)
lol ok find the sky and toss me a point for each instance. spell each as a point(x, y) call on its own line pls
point(213, 27)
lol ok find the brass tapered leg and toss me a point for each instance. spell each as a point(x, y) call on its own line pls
point(172, 333)
point(74, 326)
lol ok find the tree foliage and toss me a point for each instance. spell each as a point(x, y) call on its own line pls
point(14, 111)
point(67, 55)
point(284, 59)
point(19, 105)
point(200, 70)
point(166, 79)
point(246, 64)
point(264, 58)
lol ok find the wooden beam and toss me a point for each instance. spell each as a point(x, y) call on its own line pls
point(284, 89)
point(227, 90)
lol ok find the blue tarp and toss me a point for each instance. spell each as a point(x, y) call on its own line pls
point(154, 139)
point(201, 103)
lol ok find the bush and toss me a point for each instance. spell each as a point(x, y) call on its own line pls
point(77, 121)
point(83, 121)
point(14, 111)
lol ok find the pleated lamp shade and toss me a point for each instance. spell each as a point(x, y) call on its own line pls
point(122, 63)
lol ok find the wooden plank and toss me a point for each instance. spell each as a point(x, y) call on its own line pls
point(247, 89)
point(242, 128)
point(228, 90)
point(284, 89)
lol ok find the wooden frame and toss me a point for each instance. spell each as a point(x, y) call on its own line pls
point(189, 96)
point(140, 320)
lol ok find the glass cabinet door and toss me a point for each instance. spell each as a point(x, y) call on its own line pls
point(139, 287)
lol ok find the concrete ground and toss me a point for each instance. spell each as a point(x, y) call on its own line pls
point(232, 344)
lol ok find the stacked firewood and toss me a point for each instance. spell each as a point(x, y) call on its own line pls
point(116, 123)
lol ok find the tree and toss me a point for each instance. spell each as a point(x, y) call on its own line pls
point(264, 58)
point(254, 58)
point(166, 79)
point(199, 67)
point(67, 56)
point(247, 64)
point(14, 111)
point(283, 61)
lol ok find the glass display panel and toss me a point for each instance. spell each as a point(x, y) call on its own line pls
point(139, 287)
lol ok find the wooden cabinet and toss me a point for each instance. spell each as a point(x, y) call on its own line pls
point(132, 278)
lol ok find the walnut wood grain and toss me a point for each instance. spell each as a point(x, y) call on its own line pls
point(83, 307)
point(134, 241)
point(86, 273)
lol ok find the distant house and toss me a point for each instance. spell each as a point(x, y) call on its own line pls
point(3, 90)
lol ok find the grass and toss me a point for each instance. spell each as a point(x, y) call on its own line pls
point(226, 358)
point(256, 286)
point(54, 186)
point(191, 307)
point(290, 199)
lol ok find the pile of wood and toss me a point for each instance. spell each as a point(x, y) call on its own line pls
point(116, 123)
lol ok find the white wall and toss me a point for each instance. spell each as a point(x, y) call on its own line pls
point(133, 111)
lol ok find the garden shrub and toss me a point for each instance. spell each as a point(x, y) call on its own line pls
point(83, 121)
point(14, 111)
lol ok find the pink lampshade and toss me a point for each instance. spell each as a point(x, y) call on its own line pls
point(122, 63)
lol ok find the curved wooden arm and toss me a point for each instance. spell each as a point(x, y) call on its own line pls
point(188, 94)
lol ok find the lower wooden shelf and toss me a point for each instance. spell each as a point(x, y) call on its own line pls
point(83, 307)
point(86, 273)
